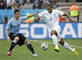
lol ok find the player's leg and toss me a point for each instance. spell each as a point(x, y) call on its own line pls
point(29, 46)
point(54, 35)
point(22, 40)
point(13, 43)
point(14, 39)
point(67, 46)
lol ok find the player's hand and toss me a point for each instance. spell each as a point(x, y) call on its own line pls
point(37, 11)
point(73, 20)
point(8, 38)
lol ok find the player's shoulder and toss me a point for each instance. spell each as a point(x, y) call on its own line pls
point(55, 10)
point(11, 19)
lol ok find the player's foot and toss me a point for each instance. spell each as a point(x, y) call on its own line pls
point(34, 55)
point(56, 49)
point(75, 52)
point(9, 53)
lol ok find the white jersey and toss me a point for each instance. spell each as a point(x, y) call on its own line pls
point(51, 19)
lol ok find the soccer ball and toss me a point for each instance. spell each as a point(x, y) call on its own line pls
point(44, 46)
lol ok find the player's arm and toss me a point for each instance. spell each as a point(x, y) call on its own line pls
point(33, 14)
point(64, 14)
point(8, 38)
point(29, 21)
point(40, 15)
point(7, 32)
point(24, 18)
point(7, 27)
point(69, 17)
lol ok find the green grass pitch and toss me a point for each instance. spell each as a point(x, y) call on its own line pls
point(22, 53)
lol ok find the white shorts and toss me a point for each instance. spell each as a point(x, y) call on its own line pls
point(57, 29)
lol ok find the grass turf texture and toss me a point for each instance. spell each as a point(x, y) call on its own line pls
point(22, 53)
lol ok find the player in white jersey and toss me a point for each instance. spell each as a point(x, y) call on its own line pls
point(52, 20)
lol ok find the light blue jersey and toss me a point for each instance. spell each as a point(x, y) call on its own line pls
point(14, 25)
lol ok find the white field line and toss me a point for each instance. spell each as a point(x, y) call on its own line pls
point(39, 41)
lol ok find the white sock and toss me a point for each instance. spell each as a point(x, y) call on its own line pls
point(66, 45)
point(58, 38)
point(15, 41)
point(55, 41)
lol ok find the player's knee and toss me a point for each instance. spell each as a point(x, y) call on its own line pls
point(16, 38)
point(26, 41)
point(53, 32)
point(61, 42)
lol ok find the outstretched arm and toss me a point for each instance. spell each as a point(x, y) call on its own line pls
point(33, 14)
point(24, 18)
point(42, 14)
point(69, 17)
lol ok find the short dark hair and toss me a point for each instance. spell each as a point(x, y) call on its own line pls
point(49, 5)
point(16, 11)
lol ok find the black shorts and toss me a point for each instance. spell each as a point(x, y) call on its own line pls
point(22, 38)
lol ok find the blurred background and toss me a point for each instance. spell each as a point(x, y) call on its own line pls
point(64, 5)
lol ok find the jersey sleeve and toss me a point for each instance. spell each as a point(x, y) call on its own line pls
point(42, 14)
point(59, 12)
point(8, 25)
point(23, 18)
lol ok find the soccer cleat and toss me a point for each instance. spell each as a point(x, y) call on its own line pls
point(75, 52)
point(56, 49)
point(34, 55)
point(9, 53)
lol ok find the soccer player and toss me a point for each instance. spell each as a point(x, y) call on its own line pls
point(52, 20)
point(12, 32)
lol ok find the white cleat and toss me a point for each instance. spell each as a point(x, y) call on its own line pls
point(34, 55)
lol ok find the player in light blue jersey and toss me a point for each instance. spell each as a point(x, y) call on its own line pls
point(12, 32)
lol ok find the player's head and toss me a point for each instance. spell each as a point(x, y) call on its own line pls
point(49, 8)
point(17, 13)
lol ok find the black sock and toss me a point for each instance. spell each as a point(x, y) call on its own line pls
point(12, 46)
point(30, 48)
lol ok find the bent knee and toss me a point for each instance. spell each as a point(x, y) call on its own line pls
point(61, 42)
point(16, 38)
point(26, 41)
point(53, 32)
